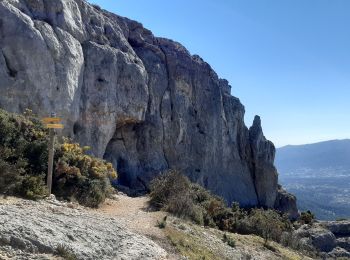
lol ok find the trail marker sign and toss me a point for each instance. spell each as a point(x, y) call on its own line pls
point(52, 123)
point(55, 126)
point(51, 120)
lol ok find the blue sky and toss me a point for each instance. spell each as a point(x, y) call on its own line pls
point(288, 61)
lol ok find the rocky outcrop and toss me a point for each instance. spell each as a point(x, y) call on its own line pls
point(329, 238)
point(286, 202)
point(144, 103)
point(341, 230)
point(338, 228)
point(265, 174)
point(344, 242)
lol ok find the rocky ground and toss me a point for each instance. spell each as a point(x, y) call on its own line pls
point(122, 228)
point(35, 230)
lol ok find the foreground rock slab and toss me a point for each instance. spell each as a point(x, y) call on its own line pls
point(30, 228)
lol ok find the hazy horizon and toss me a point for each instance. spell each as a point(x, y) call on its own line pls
point(324, 141)
point(287, 61)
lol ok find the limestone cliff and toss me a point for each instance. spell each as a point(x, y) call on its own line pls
point(144, 103)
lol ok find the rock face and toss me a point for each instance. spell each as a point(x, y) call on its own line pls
point(144, 103)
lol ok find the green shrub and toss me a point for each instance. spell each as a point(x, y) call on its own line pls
point(10, 178)
point(174, 193)
point(162, 224)
point(306, 217)
point(228, 240)
point(268, 224)
point(65, 252)
point(93, 192)
point(171, 192)
point(166, 188)
point(33, 187)
point(81, 177)
point(23, 155)
point(23, 164)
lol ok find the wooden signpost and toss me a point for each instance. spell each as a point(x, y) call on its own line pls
point(52, 123)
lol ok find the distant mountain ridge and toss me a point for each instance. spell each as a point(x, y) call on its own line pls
point(334, 153)
point(319, 175)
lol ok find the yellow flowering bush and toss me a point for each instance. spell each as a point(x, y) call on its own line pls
point(23, 164)
point(82, 177)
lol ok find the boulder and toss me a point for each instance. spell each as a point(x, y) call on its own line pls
point(338, 228)
point(344, 242)
point(323, 240)
point(316, 237)
point(338, 252)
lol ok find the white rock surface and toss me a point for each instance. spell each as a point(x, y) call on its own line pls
point(33, 230)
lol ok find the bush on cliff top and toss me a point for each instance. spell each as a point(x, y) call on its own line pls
point(173, 192)
point(23, 164)
point(306, 217)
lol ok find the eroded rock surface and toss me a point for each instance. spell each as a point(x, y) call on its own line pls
point(144, 103)
point(29, 229)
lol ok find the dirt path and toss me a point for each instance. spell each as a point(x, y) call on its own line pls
point(138, 218)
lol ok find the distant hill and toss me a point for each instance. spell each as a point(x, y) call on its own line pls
point(319, 175)
point(335, 154)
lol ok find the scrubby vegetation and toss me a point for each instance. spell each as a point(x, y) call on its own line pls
point(228, 240)
point(173, 192)
point(190, 246)
point(162, 224)
point(194, 242)
point(306, 217)
point(23, 164)
point(23, 155)
point(80, 176)
point(65, 252)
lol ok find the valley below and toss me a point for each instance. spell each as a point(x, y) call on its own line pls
point(326, 192)
point(319, 176)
